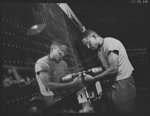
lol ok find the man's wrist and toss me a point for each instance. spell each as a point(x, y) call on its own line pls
point(93, 79)
point(71, 83)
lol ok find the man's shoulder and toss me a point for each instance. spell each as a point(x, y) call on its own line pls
point(42, 58)
point(45, 58)
point(110, 39)
point(41, 63)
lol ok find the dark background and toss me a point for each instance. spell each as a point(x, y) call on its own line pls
point(126, 21)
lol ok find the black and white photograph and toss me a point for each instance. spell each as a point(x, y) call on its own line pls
point(81, 57)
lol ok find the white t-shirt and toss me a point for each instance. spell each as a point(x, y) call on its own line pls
point(55, 71)
point(125, 68)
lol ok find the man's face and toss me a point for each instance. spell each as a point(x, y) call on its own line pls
point(91, 42)
point(57, 53)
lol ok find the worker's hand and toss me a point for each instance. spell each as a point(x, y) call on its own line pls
point(88, 78)
point(78, 82)
point(67, 78)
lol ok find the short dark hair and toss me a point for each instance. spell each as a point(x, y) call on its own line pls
point(87, 33)
point(62, 46)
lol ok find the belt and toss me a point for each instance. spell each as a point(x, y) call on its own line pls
point(108, 82)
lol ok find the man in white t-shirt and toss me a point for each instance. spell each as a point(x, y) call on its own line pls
point(117, 82)
point(49, 71)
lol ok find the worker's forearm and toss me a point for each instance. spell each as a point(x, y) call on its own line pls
point(106, 73)
point(59, 86)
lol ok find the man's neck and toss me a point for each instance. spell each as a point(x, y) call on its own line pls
point(53, 59)
point(101, 43)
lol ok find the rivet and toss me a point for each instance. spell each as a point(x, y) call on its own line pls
point(6, 20)
point(5, 32)
point(4, 44)
point(8, 44)
point(12, 45)
point(10, 22)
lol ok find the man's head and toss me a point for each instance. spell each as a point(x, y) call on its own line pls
point(57, 51)
point(91, 39)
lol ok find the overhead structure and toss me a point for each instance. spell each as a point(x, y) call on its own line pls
point(67, 10)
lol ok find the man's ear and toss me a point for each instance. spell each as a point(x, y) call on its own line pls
point(94, 35)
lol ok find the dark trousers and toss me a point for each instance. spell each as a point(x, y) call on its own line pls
point(118, 97)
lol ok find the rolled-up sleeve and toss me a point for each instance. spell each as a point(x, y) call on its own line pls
point(111, 46)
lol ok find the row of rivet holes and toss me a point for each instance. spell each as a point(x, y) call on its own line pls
point(18, 62)
point(13, 23)
point(34, 42)
point(19, 99)
point(23, 48)
point(17, 25)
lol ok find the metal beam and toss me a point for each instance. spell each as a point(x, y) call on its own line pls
point(67, 10)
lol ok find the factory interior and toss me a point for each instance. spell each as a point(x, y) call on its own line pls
point(28, 29)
